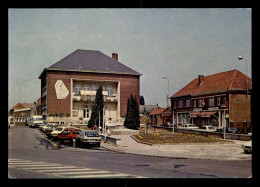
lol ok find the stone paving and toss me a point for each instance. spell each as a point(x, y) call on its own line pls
point(218, 151)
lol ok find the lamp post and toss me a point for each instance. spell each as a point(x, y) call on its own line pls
point(241, 58)
point(167, 97)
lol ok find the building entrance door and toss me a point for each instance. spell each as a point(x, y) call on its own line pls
point(86, 112)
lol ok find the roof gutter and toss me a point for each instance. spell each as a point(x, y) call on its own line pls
point(88, 71)
point(206, 93)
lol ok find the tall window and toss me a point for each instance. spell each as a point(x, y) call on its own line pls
point(77, 88)
point(180, 104)
point(194, 103)
point(223, 100)
point(201, 103)
point(211, 101)
point(218, 101)
point(86, 111)
point(109, 89)
point(187, 102)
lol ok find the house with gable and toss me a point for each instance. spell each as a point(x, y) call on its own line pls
point(69, 86)
point(18, 114)
point(219, 99)
point(160, 116)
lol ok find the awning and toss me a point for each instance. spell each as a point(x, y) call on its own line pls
point(202, 114)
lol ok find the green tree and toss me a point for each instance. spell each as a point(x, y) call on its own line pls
point(98, 106)
point(132, 120)
point(142, 102)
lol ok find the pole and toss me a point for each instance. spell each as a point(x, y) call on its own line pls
point(168, 94)
point(99, 122)
point(104, 127)
point(173, 122)
point(246, 80)
point(224, 125)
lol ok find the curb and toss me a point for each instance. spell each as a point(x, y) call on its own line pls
point(172, 157)
point(140, 141)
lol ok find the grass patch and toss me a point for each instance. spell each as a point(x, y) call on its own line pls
point(177, 137)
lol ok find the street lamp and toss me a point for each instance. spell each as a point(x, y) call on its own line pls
point(241, 58)
point(167, 97)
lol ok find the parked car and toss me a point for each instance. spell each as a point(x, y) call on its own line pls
point(46, 126)
point(228, 130)
point(247, 147)
point(189, 126)
point(207, 128)
point(36, 121)
point(49, 130)
point(68, 135)
point(88, 137)
point(58, 130)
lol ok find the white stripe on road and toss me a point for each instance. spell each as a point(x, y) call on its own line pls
point(66, 171)
point(34, 165)
point(48, 168)
point(83, 172)
point(110, 175)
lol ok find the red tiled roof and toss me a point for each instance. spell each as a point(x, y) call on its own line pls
point(28, 105)
point(158, 111)
point(224, 81)
point(22, 105)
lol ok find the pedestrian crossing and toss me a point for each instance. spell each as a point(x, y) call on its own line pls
point(65, 171)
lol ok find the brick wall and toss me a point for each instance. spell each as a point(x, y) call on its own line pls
point(129, 84)
point(240, 108)
point(240, 112)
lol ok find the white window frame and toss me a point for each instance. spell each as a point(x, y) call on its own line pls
point(200, 102)
point(180, 103)
point(109, 89)
point(211, 101)
point(187, 102)
point(224, 100)
point(218, 101)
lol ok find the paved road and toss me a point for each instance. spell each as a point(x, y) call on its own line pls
point(32, 156)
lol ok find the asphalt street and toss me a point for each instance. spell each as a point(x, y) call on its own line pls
point(31, 155)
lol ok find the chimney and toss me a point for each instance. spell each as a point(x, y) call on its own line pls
point(200, 79)
point(115, 56)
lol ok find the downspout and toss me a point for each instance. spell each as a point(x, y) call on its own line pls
point(229, 109)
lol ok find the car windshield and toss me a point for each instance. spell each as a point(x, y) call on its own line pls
point(91, 134)
point(66, 132)
point(211, 128)
point(37, 119)
point(58, 129)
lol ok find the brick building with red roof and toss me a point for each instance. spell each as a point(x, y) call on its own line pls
point(20, 112)
point(218, 99)
point(160, 116)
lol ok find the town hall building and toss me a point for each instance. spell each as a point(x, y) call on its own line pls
point(68, 87)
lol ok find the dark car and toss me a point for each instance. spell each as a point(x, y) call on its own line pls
point(231, 130)
point(228, 130)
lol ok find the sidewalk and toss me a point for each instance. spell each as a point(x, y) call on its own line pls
point(216, 151)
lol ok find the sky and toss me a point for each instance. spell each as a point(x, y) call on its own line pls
point(173, 42)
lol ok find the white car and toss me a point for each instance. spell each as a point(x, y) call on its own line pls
point(58, 130)
point(189, 126)
point(88, 137)
point(247, 147)
point(207, 128)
